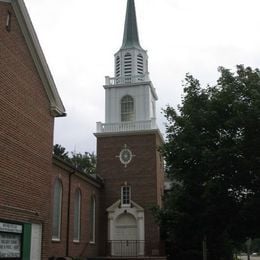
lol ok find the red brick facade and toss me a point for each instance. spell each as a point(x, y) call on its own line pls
point(26, 133)
point(89, 187)
point(27, 170)
point(144, 174)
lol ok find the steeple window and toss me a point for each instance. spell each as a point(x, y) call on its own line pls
point(140, 64)
point(117, 67)
point(127, 109)
point(128, 65)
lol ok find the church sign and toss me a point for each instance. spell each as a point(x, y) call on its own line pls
point(10, 240)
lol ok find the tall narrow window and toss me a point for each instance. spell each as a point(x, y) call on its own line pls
point(140, 64)
point(92, 219)
point(125, 195)
point(128, 65)
point(8, 21)
point(77, 204)
point(127, 108)
point(56, 215)
point(117, 67)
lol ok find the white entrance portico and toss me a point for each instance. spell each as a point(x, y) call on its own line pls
point(126, 230)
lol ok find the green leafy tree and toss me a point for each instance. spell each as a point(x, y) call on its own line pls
point(83, 162)
point(213, 158)
point(60, 151)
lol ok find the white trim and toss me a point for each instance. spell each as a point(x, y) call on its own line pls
point(129, 133)
point(129, 196)
point(36, 242)
point(114, 211)
point(56, 105)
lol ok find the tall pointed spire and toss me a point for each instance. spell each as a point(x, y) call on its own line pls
point(131, 38)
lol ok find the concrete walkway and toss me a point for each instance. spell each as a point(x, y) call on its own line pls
point(251, 257)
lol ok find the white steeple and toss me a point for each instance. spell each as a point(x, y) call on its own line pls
point(130, 95)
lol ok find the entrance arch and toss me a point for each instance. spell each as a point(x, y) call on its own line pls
point(125, 227)
point(125, 243)
point(126, 230)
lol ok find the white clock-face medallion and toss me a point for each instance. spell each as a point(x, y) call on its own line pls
point(125, 156)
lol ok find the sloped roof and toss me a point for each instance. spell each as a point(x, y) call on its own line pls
point(56, 106)
point(131, 38)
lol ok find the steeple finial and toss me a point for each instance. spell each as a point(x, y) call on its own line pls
point(131, 38)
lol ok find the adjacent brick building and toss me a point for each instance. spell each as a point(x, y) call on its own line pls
point(29, 102)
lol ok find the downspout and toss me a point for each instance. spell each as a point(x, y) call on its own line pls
point(68, 215)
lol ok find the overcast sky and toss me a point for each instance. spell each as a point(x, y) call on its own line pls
point(80, 37)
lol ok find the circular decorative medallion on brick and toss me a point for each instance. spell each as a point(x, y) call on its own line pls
point(125, 156)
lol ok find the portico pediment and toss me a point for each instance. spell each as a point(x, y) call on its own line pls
point(117, 205)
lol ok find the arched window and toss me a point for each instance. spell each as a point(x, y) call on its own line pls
point(140, 64)
point(92, 219)
point(127, 108)
point(77, 205)
point(57, 205)
point(128, 64)
point(117, 67)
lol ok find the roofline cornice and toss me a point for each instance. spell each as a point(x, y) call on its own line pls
point(56, 106)
point(130, 133)
point(98, 182)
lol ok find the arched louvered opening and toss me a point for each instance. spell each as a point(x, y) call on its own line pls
point(140, 64)
point(127, 109)
point(128, 65)
point(117, 67)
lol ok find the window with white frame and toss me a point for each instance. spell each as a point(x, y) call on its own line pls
point(127, 109)
point(125, 196)
point(56, 214)
point(92, 219)
point(77, 205)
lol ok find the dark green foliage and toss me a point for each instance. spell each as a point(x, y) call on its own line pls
point(83, 162)
point(60, 151)
point(212, 155)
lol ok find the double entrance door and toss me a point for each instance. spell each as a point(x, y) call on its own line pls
point(125, 243)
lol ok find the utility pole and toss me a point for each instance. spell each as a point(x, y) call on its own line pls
point(204, 247)
point(248, 247)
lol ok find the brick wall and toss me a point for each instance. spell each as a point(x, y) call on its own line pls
point(144, 173)
point(26, 133)
point(88, 188)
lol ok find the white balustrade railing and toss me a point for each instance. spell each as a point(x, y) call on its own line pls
point(126, 126)
point(127, 79)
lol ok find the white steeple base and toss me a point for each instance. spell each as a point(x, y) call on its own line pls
point(126, 126)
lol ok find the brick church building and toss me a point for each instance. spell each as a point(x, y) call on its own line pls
point(50, 209)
